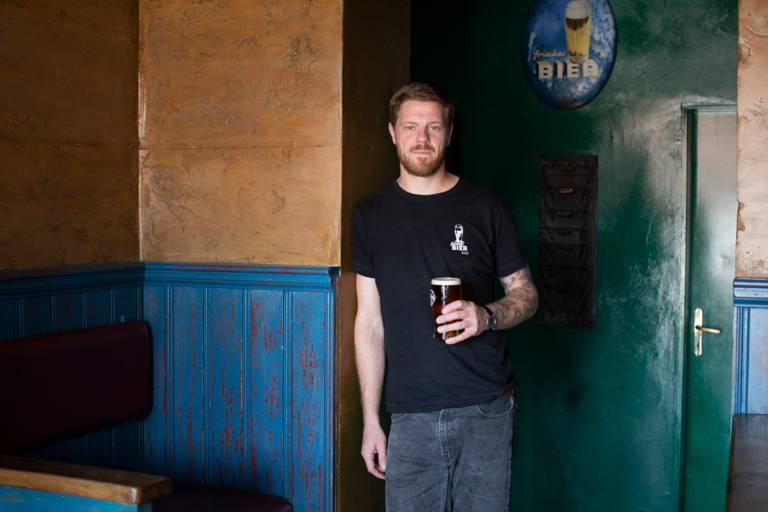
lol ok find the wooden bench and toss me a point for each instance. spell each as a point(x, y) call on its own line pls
point(68, 383)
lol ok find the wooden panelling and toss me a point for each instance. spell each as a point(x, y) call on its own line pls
point(225, 392)
point(243, 378)
point(243, 370)
point(311, 316)
point(156, 428)
point(267, 381)
point(189, 367)
point(752, 236)
point(751, 351)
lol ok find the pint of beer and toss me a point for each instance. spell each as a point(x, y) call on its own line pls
point(444, 291)
point(578, 30)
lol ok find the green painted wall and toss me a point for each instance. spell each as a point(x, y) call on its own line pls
point(599, 414)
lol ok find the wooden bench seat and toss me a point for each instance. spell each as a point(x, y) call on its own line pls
point(84, 481)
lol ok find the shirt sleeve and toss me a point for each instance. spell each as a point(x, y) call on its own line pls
point(362, 257)
point(507, 251)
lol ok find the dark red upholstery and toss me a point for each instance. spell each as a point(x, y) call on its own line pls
point(66, 383)
point(185, 499)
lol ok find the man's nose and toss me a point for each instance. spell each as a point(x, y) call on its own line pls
point(422, 134)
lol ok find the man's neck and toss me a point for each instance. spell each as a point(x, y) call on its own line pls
point(441, 181)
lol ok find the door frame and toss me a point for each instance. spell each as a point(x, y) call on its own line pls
point(688, 110)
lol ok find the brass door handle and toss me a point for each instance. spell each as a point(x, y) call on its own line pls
point(710, 330)
point(699, 330)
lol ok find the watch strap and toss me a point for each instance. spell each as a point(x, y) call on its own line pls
point(491, 317)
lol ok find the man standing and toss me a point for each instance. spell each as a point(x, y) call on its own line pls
point(451, 402)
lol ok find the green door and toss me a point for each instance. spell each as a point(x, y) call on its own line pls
point(711, 267)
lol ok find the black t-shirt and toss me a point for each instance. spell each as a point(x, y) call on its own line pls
point(404, 240)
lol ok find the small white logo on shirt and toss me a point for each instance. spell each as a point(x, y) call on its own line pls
point(432, 298)
point(458, 244)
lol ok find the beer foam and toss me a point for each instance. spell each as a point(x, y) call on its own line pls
point(446, 281)
point(578, 10)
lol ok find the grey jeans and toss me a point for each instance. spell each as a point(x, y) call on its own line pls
point(452, 460)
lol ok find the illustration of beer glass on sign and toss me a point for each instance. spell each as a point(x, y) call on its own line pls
point(578, 30)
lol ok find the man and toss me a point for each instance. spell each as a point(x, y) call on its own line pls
point(450, 401)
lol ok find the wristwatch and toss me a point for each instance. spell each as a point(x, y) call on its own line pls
point(491, 318)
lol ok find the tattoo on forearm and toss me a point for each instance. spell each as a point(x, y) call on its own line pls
point(520, 299)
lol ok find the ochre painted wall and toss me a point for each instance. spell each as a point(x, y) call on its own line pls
point(752, 236)
point(377, 47)
point(68, 133)
point(240, 131)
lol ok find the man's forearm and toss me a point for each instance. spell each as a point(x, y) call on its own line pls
point(369, 355)
point(520, 301)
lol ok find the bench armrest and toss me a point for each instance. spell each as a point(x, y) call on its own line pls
point(86, 481)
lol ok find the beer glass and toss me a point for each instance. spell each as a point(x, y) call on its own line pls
point(578, 30)
point(444, 291)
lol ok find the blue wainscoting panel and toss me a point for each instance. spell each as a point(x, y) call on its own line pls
point(48, 301)
point(310, 319)
point(266, 371)
point(68, 311)
point(156, 435)
point(36, 315)
point(44, 301)
point(751, 353)
point(10, 315)
point(189, 366)
point(99, 305)
point(226, 362)
point(243, 378)
point(242, 362)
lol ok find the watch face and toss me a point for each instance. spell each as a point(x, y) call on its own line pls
point(491, 318)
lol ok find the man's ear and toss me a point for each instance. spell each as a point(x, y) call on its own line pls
point(450, 136)
point(392, 133)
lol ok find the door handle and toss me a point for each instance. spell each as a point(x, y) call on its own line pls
point(698, 331)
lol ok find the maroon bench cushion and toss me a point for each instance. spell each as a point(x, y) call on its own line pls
point(65, 383)
point(187, 499)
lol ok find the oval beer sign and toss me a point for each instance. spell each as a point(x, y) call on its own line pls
point(569, 47)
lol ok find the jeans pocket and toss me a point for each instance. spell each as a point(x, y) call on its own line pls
point(397, 416)
point(498, 407)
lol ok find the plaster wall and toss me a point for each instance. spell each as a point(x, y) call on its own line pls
point(752, 235)
point(68, 133)
point(240, 131)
